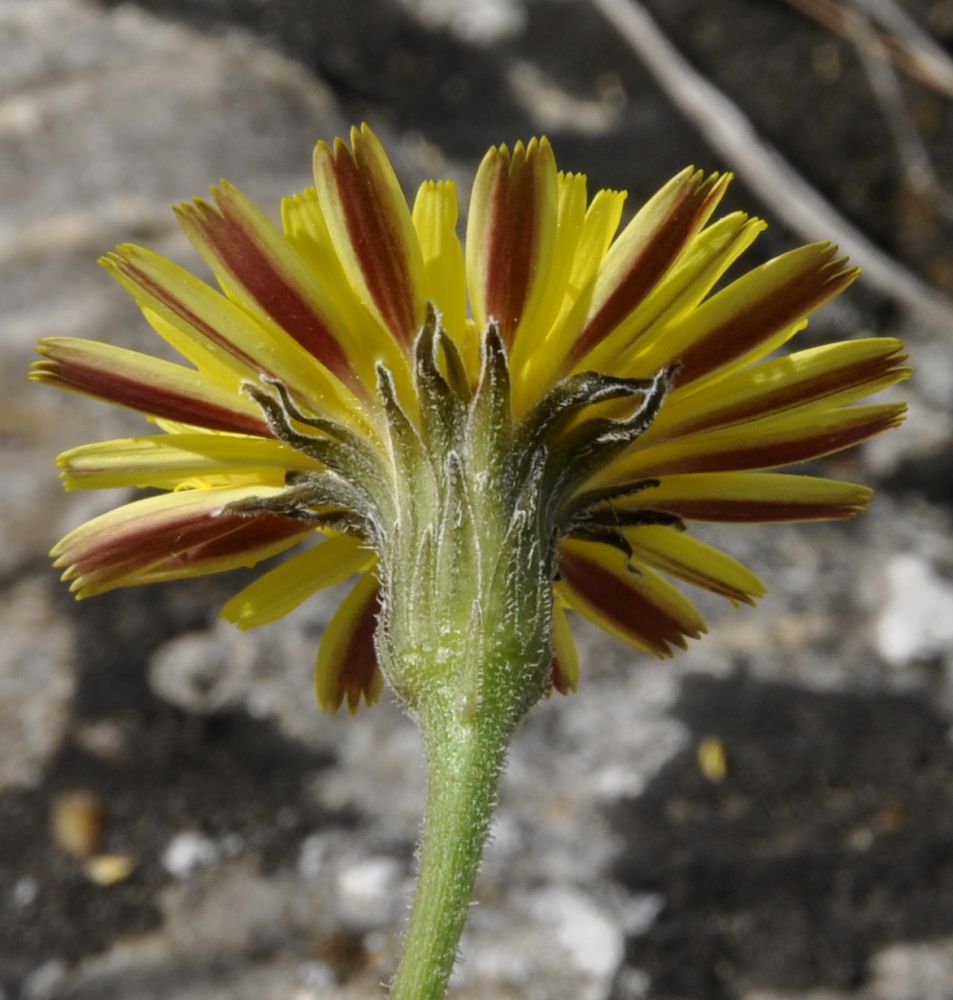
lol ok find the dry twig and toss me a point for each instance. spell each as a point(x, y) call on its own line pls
point(767, 173)
point(914, 157)
point(903, 41)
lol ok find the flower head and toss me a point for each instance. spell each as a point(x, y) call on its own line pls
point(542, 452)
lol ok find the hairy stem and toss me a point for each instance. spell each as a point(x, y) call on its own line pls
point(464, 763)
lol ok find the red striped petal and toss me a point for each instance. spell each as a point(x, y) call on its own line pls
point(179, 297)
point(510, 231)
point(155, 387)
point(762, 444)
point(259, 268)
point(754, 497)
point(347, 665)
point(645, 250)
point(175, 535)
point(371, 227)
point(635, 605)
point(237, 546)
point(732, 325)
point(847, 371)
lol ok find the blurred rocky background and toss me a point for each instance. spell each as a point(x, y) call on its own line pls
point(768, 817)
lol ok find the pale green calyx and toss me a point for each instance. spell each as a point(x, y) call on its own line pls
point(464, 509)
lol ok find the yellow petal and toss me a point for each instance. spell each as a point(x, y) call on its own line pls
point(543, 365)
point(690, 559)
point(435, 221)
point(751, 497)
point(165, 460)
point(282, 589)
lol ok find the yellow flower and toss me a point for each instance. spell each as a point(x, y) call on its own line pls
point(601, 381)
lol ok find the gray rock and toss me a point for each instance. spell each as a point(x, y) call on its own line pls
point(36, 680)
point(46, 981)
point(97, 139)
point(188, 852)
point(913, 971)
point(371, 892)
point(916, 622)
point(477, 22)
point(513, 943)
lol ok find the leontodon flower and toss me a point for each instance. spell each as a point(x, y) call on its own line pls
point(339, 396)
point(484, 436)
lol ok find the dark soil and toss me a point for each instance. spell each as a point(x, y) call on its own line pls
point(829, 838)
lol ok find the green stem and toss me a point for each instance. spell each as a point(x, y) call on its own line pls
point(464, 765)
